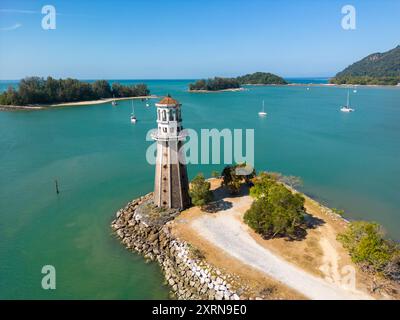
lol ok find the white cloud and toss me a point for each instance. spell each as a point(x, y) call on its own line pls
point(10, 28)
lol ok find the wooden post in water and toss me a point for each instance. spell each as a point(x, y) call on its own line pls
point(57, 190)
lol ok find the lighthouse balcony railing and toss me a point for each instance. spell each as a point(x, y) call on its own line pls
point(167, 136)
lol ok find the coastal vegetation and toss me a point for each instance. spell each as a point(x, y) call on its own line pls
point(234, 176)
point(275, 211)
point(36, 90)
point(375, 69)
point(215, 84)
point(261, 78)
point(218, 83)
point(200, 191)
point(369, 248)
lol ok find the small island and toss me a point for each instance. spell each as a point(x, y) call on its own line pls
point(235, 84)
point(375, 69)
point(39, 93)
point(261, 78)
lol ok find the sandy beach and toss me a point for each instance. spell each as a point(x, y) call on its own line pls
point(71, 104)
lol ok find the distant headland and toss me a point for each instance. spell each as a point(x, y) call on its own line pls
point(235, 84)
point(375, 69)
point(39, 93)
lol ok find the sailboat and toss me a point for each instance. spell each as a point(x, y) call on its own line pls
point(113, 102)
point(262, 113)
point(133, 117)
point(147, 102)
point(347, 108)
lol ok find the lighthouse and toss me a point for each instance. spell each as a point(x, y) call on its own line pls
point(171, 187)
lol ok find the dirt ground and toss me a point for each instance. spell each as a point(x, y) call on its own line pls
point(318, 253)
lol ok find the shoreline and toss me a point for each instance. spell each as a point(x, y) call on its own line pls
point(223, 90)
point(197, 234)
point(343, 85)
point(70, 104)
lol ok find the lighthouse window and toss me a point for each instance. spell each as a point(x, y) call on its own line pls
point(172, 130)
point(165, 130)
point(164, 115)
point(171, 116)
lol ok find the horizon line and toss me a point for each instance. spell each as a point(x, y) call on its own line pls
point(152, 79)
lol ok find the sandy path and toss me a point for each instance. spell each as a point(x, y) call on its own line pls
point(228, 233)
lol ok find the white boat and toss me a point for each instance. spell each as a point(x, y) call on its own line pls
point(133, 117)
point(347, 108)
point(113, 102)
point(147, 103)
point(262, 113)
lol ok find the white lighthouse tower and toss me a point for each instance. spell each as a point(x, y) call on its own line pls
point(171, 187)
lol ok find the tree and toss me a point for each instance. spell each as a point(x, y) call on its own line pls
point(200, 191)
point(231, 180)
point(234, 176)
point(35, 90)
point(366, 245)
point(261, 78)
point(101, 89)
point(262, 184)
point(215, 84)
point(276, 211)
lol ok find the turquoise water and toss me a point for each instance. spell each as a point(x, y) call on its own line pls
point(348, 161)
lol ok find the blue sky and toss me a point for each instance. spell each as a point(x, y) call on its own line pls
point(190, 39)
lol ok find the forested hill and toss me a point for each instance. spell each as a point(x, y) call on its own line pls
point(218, 83)
point(377, 68)
point(261, 78)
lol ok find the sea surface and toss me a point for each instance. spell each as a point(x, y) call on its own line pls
point(347, 161)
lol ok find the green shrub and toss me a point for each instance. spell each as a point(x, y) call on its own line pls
point(276, 211)
point(200, 191)
point(367, 246)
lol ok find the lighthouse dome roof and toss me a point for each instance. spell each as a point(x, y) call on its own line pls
point(168, 101)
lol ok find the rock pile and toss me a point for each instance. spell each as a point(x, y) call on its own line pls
point(189, 276)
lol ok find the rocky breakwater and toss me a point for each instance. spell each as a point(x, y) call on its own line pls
point(146, 229)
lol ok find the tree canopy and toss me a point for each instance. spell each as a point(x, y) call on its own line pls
point(200, 191)
point(368, 247)
point(376, 69)
point(35, 90)
point(219, 83)
point(233, 179)
point(261, 78)
point(215, 84)
point(275, 211)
